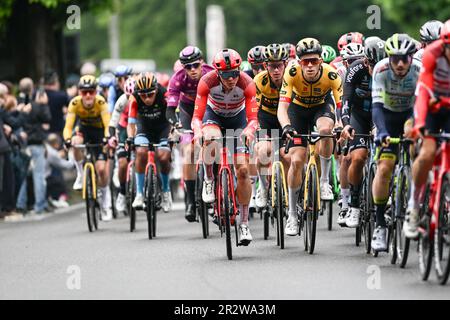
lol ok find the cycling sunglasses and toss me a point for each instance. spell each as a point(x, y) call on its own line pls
point(192, 66)
point(87, 92)
point(147, 94)
point(313, 61)
point(273, 66)
point(258, 66)
point(229, 74)
point(404, 58)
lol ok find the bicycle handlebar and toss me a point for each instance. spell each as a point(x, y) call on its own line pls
point(313, 138)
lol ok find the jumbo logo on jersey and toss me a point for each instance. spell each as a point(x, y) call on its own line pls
point(332, 75)
point(293, 72)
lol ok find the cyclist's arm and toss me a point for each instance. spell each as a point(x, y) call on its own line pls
point(118, 109)
point(347, 98)
point(424, 91)
point(111, 98)
point(200, 105)
point(336, 86)
point(285, 96)
point(379, 119)
point(132, 117)
point(251, 108)
point(70, 121)
point(104, 114)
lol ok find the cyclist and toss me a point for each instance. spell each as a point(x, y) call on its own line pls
point(429, 33)
point(118, 124)
point(104, 82)
point(226, 100)
point(255, 57)
point(351, 52)
point(181, 95)
point(121, 73)
point(305, 101)
point(147, 123)
point(92, 111)
point(345, 39)
point(357, 118)
point(328, 53)
point(268, 84)
point(394, 82)
point(434, 82)
point(290, 49)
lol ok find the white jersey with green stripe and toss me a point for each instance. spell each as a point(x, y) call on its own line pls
point(395, 93)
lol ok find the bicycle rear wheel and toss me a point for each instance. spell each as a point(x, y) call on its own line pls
point(90, 200)
point(442, 234)
point(312, 211)
point(226, 208)
point(150, 194)
point(131, 194)
point(402, 198)
point(279, 207)
point(200, 206)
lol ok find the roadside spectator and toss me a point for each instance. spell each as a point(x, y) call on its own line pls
point(26, 89)
point(7, 183)
point(57, 101)
point(56, 162)
point(35, 124)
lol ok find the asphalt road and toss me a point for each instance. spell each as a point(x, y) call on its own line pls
point(57, 258)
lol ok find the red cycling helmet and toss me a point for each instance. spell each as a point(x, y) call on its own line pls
point(351, 37)
point(227, 59)
point(445, 32)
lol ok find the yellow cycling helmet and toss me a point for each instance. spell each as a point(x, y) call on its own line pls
point(87, 82)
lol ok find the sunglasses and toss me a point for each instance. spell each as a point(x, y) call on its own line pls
point(229, 74)
point(273, 66)
point(313, 61)
point(257, 67)
point(404, 58)
point(87, 92)
point(120, 79)
point(192, 66)
point(147, 94)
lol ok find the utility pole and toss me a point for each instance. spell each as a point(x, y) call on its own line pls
point(191, 21)
point(114, 34)
point(215, 31)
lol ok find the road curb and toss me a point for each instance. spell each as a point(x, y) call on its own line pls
point(57, 212)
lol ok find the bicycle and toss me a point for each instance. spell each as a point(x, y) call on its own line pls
point(89, 190)
point(434, 226)
point(225, 204)
point(131, 187)
point(113, 189)
point(309, 205)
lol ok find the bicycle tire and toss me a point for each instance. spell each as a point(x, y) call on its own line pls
point(131, 194)
point(328, 206)
point(402, 195)
point(150, 200)
point(279, 205)
point(425, 243)
point(201, 207)
point(266, 217)
point(89, 198)
point(312, 210)
point(112, 188)
point(227, 206)
point(370, 213)
point(441, 234)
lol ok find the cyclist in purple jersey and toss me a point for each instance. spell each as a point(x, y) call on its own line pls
point(182, 92)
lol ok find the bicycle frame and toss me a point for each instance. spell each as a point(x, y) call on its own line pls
point(311, 161)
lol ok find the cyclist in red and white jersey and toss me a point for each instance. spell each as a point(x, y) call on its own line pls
point(226, 101)
point(434, 86)
point(345, 39)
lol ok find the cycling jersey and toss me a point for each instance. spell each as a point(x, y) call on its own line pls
point(119, 109)
point(337, 62)
point(434, 79)
point(419, 55)
point(183, 88)
point(210, 93)
point(394, 93)
point(267, 93)
point(357, 92)
point(96, 117)
point(113, 94)
point(307, 94)
point(153, 116)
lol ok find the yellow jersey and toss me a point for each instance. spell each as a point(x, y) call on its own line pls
point(97, 116)
point(267, 94)
point(307, 94)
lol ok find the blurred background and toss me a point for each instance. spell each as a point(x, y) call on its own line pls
point(40, 34)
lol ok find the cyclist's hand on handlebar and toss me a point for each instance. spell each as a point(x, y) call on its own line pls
point(112, 142)
point(67, 144)
point(248, 135)
point(385, 141)
point(415, 132)
point(129, 142)
point(347, 133)
point(288, 132)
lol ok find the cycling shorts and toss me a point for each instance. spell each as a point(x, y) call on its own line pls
point(93, 135)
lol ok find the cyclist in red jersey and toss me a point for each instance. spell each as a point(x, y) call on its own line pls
point(433, 86)
point(345, 39)
point(226, 101)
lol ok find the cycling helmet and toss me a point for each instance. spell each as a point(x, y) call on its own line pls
point(290, 49)
point(227, 59)
point(246, 66)
point(145, 82)
point(87, 82)
point(190, 54)
point(353, 51)
point(328, 53)
point(122, 71)
point(256, 54)
point(347, 38)
point(445, 32)
point(400, 44)
point(430, 31)
point(374, 49)
point(106, 80)
point(275, 52)
point(307, 46)
point(129, 86)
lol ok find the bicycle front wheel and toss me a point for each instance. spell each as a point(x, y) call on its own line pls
point(150, 195)
point(442, 234)
point(402, 198)
point(369, 214)
point(90, 199)
point(226, 208)
point(131, 194)
point(200, 206)
point(279, 207)
point(312, 210)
